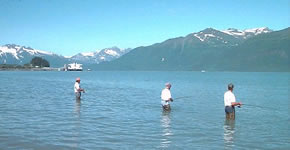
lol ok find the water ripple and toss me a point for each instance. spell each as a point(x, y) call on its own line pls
point(121, 110)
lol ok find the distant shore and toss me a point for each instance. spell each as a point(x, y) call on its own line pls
point(29, 69)
point(5, 67)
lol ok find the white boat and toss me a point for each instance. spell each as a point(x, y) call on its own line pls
point(74, 67)
point(202, 70)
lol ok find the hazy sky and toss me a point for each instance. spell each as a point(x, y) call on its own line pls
point(67, 27)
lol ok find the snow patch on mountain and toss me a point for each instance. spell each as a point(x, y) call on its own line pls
point(13, 51)
point(67, 56)
point(112, 52)
point(91, 54)
point(247, 32)
point(257, 31)
point(16, 51)
point(227, 37)
point(36, 52)
point(106, 54)
point(201, 39)
point(15, 54)
point(234, 32)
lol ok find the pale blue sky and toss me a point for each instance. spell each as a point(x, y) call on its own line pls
point(67, 27)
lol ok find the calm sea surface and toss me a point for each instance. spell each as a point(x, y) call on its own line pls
point(122, 110)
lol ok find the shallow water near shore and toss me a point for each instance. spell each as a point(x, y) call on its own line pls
point(122, 110)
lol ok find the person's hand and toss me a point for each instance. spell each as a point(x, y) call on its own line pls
point(84, 91)
point(171, 99)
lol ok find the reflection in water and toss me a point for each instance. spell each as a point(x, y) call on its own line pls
point(229, 131)
point(78, 108)
point(76, 130)
point(165, 123)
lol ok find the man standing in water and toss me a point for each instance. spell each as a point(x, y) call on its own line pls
point(166, 97)
point(78, 89)
point(230, 102)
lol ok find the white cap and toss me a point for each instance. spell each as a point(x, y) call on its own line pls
point(167, 84)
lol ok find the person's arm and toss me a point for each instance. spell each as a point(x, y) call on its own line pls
point(81, 90)
point(78, 87)
point(233, 101)
point(236, 103)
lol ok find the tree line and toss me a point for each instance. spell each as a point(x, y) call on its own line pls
point(36, 62)
point(39, 62)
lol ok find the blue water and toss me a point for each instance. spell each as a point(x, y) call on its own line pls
point(121, 110)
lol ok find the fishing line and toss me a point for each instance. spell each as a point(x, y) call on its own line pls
point(263, 107)
point(183, 97)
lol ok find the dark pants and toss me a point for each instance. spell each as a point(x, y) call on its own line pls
point(230, 112)
point(166, 107)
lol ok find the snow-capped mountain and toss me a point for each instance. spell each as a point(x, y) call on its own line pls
point(227, 37)
point(211, 50)
point(214, 37)
point(107, 54)
point(18, 52)
point(82, 57)
point(247, 33)
point(15, 54)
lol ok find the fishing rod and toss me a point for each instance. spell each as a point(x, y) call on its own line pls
point(183, 97)
point(259, 106)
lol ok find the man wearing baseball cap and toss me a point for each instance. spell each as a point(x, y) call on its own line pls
point(166, 97)
point(230, 102)
point(78, 89)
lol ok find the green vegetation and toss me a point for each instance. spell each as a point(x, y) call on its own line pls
point(266, 52)
point(35, 64)
point(39, 62)
point(9, 66)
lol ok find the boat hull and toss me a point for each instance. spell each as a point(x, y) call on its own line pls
point(74, 69)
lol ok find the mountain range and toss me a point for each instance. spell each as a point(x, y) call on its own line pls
point(107, 54)
point(259, 49)
point(15, 54)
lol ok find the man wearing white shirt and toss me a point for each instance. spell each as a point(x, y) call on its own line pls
point(230, 102)
point(78, 89)
point(166, 97)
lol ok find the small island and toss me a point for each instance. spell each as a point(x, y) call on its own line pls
point(36, 64)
